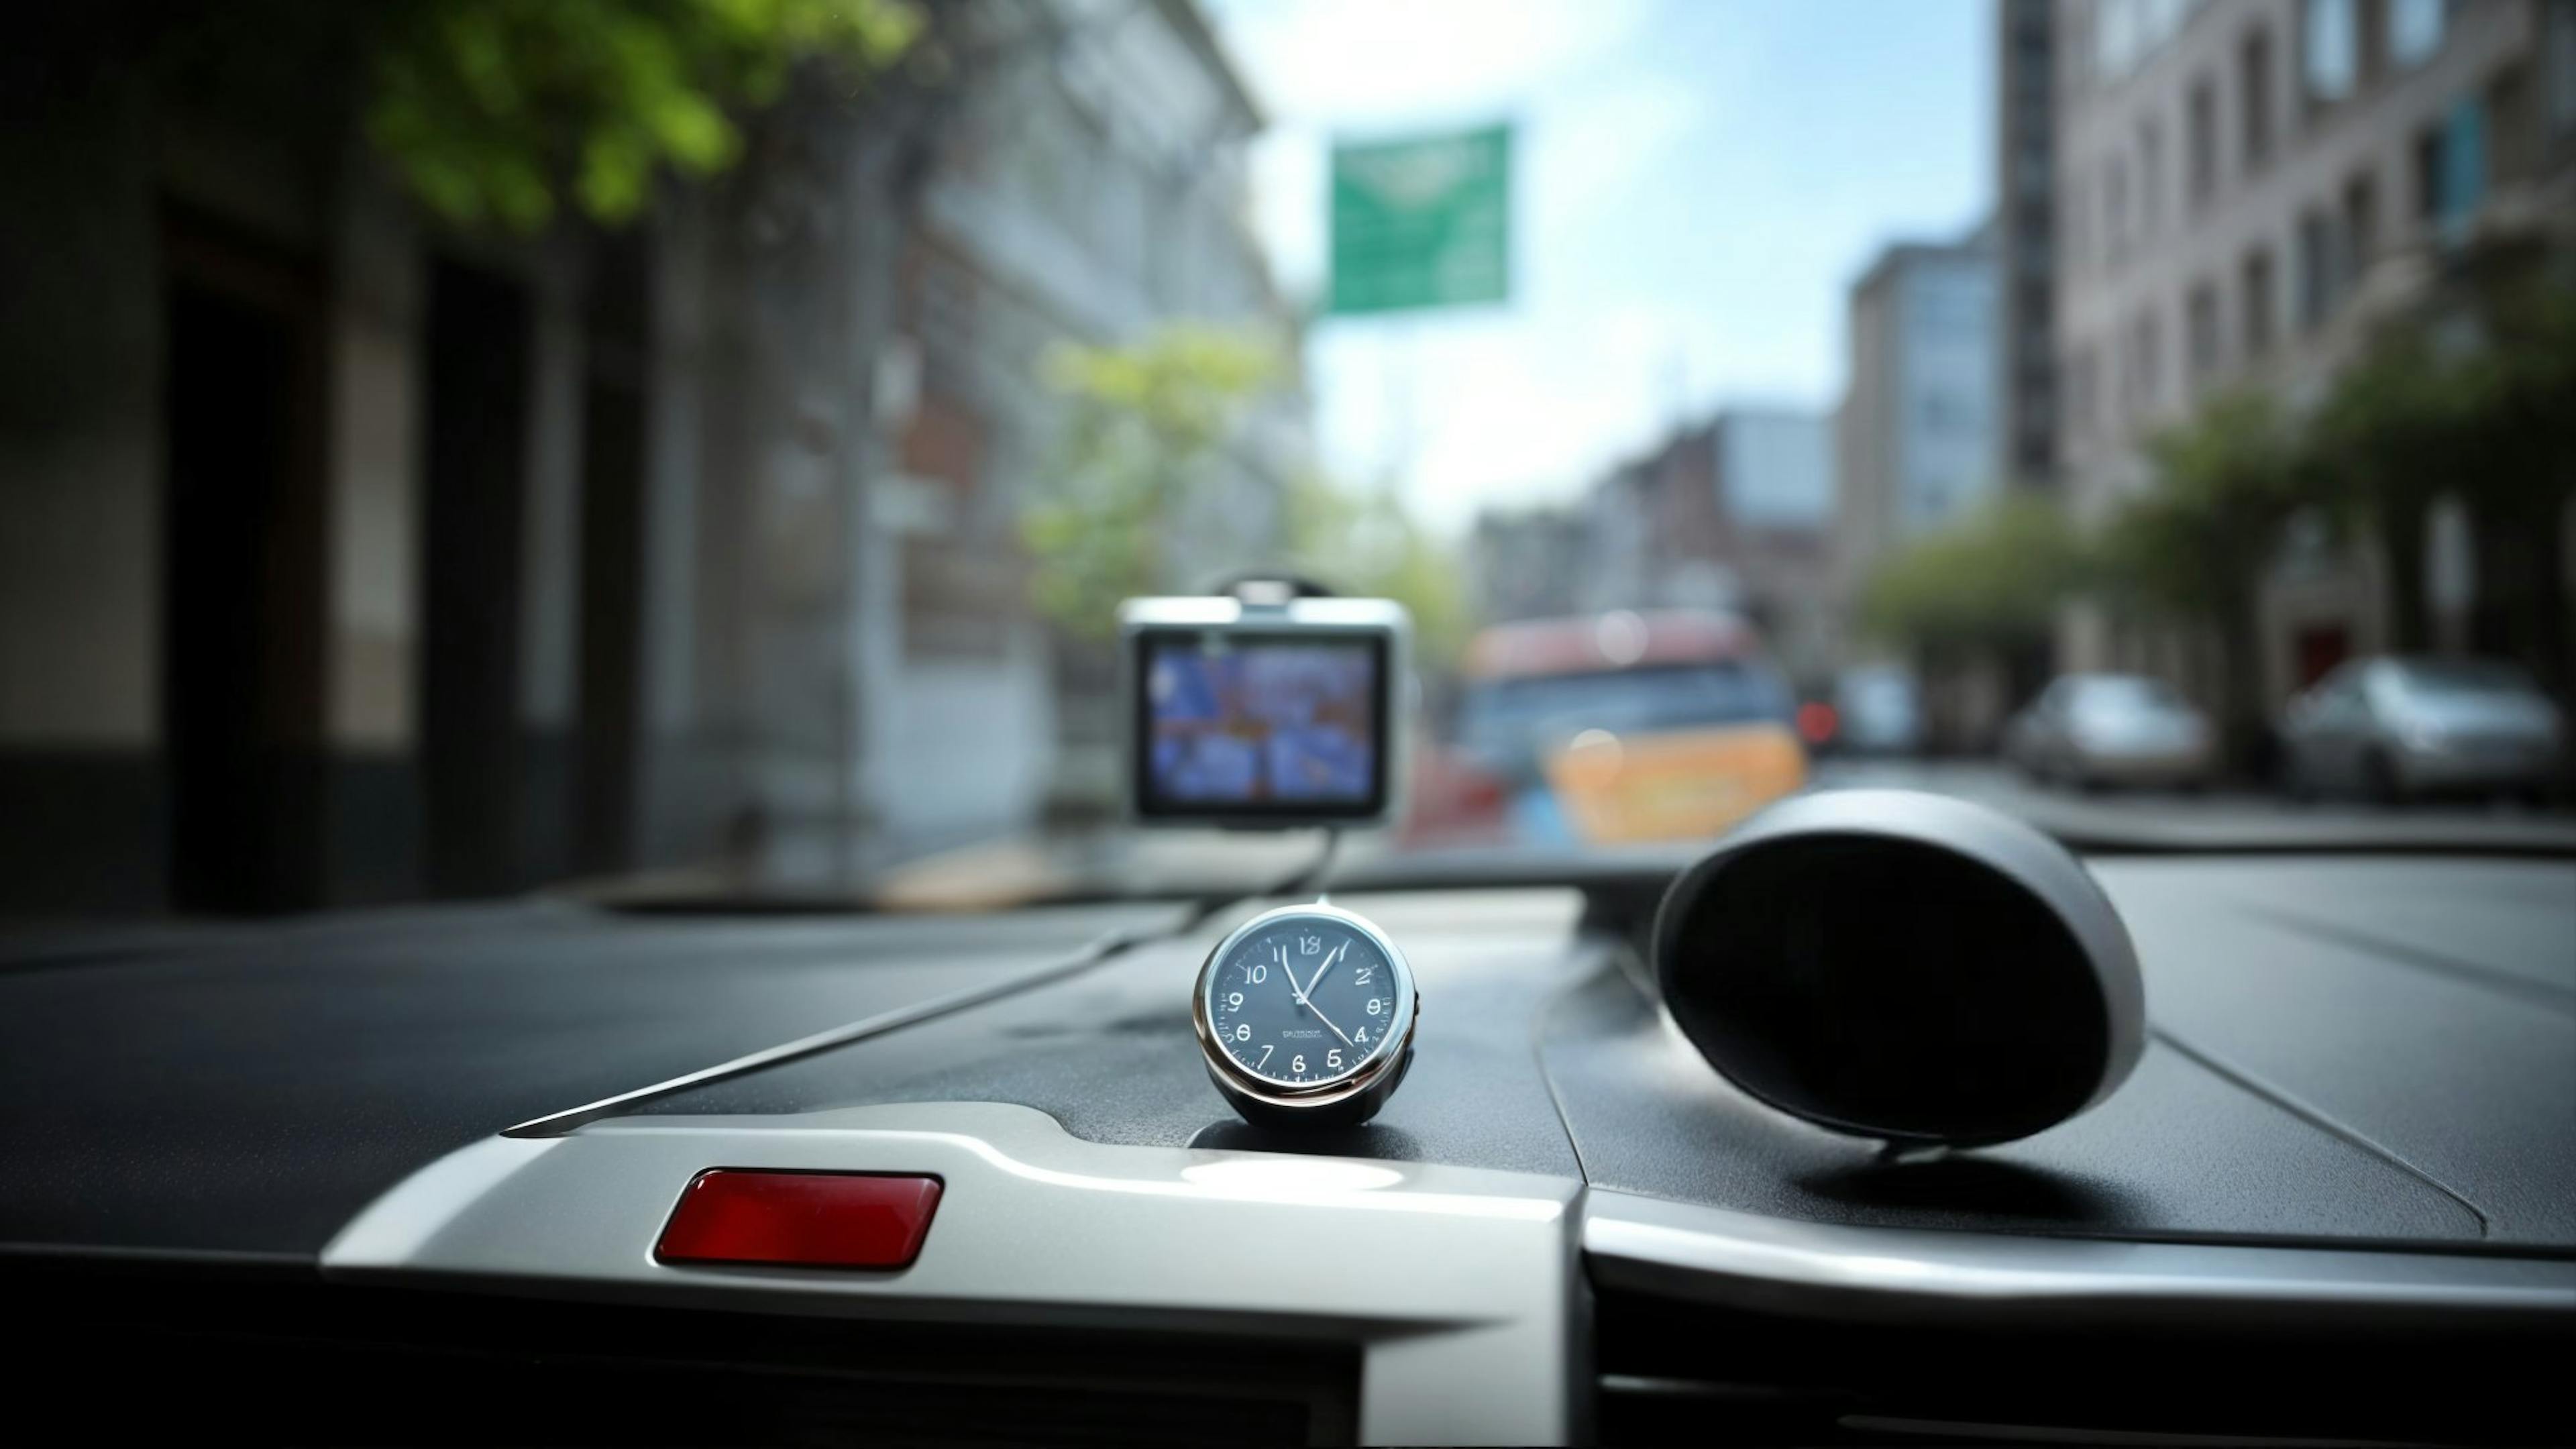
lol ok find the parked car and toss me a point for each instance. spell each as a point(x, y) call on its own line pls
point(1878, 710)
point(2094, 730)
point(2393, 728)
point(1611, 728)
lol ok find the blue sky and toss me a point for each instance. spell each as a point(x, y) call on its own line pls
point(1697, 183)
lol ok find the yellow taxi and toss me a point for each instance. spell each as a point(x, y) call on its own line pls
point(1611, 729)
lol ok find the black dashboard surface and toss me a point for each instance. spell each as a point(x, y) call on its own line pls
point(2361, 1049)
point(2373, 1051)
point(2298, 1087)
point(249, 1088)
point(2424, 1008)
point(1110, 1053)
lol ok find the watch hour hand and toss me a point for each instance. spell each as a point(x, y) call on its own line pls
point(1312, 982)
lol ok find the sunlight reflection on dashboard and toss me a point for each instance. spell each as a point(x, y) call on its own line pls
point(1292, 1176)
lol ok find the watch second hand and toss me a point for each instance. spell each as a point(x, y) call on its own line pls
point(1304, 1001)
point(1309, 988)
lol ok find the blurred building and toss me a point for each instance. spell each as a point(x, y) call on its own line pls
point(1732, 514)
point(1914, 440)
point(2244, 191)
point(1526, 564)
point(347, 557)
point(1083, 200)
point(2026, 407)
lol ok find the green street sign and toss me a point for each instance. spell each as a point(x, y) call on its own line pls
point(1422, 223)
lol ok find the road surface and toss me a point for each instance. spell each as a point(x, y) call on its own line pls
point(2215, 819)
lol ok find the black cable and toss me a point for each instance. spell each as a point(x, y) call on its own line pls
point(1305, 878)
point(1098, 953)
point(1312, 877)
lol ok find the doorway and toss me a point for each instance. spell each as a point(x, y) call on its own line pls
point(242, 570)
point(2318, 649)
point(608, 739)
point(474, 488)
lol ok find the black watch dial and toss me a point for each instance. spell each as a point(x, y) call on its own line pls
point(1304, 1001)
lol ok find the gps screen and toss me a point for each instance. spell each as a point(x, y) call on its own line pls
point(1242, 724)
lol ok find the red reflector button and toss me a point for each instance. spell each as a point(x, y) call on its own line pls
point(809, 1219)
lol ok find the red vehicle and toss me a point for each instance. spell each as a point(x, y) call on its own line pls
point(1611, 728)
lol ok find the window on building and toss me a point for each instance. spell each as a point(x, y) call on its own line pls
point(2316, 269)
point(2200, 141)
point(2254, 93)
point(2032, 301)
point(2414, 30)
point(2032, 166)
point(2035, 441)
point(2512, 156)
point(2202, 321)
point(2074, 237)
point(2116, 24)
point(2558, 46)
point(2151, 362)
point(2115, 208)
point(2261, 303)
point(2080, 397)
point(2360, 225)
point(2140, 385)
point(2151, 177)
point(2329, 49)
point(2428, 173)
point(2462, 181)
point(2034, 247)
point(2370, 43)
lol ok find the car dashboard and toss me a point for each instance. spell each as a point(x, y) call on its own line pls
point(403, 1179)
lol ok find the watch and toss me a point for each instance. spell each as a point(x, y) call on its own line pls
point(1306, 1016)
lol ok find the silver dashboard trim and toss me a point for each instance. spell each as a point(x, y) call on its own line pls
point(1460, 1286)
point(1480, 1337)
point(1727, 1258)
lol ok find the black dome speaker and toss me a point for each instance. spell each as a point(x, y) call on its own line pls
point(1902, 966)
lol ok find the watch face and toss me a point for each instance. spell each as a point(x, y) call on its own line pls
point(1305, 1000)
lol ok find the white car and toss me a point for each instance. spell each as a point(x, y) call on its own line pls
point(1879, 710)
point(2389, 729)
point(2092, 730)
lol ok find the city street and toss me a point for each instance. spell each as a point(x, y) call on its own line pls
point(2218, 819)
point(1020, 866)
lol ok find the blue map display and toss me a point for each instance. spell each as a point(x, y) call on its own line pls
point(1258, 722)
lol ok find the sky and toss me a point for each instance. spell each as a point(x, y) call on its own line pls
point(1696, 184)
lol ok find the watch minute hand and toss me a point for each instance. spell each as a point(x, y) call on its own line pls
point(1309, 988)
point(1328, 1021)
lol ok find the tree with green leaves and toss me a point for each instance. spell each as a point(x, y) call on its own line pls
point(1144, 430)
point(1989, 585)
point(2385, 439)
point(495, 112)
point(1977, 596)
point(2516, 457)
point(2474, 397)
point(499, 114)
point(2193, 548)
point(1366, 543)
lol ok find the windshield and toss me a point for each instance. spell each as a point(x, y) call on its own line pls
point(680, 448)
point(1507, 715)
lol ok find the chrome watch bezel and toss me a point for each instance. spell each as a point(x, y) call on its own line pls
point(1381, 1067)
